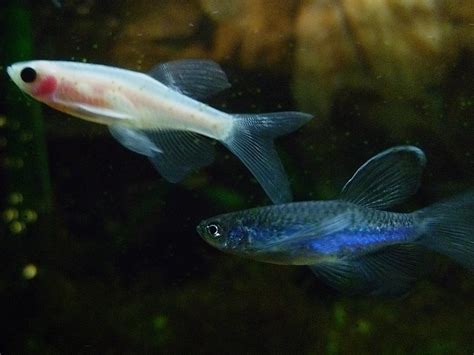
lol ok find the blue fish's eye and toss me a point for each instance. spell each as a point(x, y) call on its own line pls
point(28, 75)
point(214, 230)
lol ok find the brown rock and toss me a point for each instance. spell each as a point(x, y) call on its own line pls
point(397, 48)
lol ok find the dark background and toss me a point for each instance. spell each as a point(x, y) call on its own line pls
point(98, 254)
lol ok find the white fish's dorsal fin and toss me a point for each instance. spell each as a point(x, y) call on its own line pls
point(386, 179)
point(173, 153)
point(196, 78)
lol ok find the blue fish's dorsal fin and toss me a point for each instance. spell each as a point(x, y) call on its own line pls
point(173, 153)
point(386, 179)
point(388, 272)
point(196, 78)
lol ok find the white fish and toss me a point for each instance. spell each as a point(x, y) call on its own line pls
point(158, 115)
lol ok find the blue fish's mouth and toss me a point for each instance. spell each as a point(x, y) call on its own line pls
point(200, 229)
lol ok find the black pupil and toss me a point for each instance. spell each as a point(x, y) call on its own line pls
point(213, 229)
point(28, 75)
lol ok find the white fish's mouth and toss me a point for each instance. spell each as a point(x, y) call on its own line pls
point(13, 73)
point(10, 71)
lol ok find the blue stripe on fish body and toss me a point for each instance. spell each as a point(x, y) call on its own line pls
point(355, 241)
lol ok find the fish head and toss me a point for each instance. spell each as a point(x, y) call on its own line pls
point(68, 87)
point(36, 78)
point(227, 232)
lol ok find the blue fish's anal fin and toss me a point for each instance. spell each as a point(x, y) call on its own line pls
point(390, 272)
point(386, 179)
point(173, 153)
point(196, 78)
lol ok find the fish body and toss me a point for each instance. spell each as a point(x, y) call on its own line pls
point(122, 96)
point(278, 234)
point(158, 114)
point(354, 243)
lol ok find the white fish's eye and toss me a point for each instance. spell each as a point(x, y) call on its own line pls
point(28, 75)
point(214, 230)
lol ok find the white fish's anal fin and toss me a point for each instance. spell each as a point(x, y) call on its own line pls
point(388, 272)
point(173, 153)
point(386, 179)
point(196, 78)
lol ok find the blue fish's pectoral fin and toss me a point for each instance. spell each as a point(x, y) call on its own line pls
point(252, 142)
point(329, 226)
point(173, 153)
point(197, 78)
point(386, 179)
point(390, 272)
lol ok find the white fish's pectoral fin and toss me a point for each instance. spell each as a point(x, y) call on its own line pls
point(173, 153)
point(103, 114)
point(386, 179)
point(119, 112)
point(135, 140)
point(389, 272)
point(196, 78)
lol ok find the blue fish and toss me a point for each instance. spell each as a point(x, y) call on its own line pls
point(353, 243)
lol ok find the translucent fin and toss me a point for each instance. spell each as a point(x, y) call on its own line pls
point(173, 153)
point(252, 141)
point(448, 228)
point(95, 113)
point(183, 152)
point(327, 227)
point(298, 247)
point(135, 140)
point(388, 272)
point(195, 78)
point(386, 179)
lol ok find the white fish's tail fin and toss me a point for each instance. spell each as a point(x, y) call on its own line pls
point(252, 141)
point(448, 228)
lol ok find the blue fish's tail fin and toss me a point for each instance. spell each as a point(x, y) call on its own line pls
point(252, 141)
point(448, 228)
